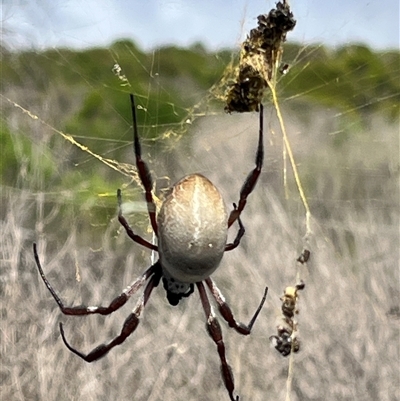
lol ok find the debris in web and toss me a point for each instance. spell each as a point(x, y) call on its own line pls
point(260, 56)
point(304, 256)
point(286, 340)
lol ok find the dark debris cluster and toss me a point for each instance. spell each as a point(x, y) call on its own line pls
point(283, 341)
point(259, 54)
point(286, 340)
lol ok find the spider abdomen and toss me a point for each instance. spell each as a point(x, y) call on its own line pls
point(192, 229)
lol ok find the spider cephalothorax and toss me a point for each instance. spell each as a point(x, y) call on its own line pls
point(191, 228)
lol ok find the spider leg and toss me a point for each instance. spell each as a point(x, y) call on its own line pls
point(129, 326)
point(143, 170)
point(215, 332)
point(128, 229)
point(120, 300)
point(252, 178)
point(239, 235)
point(226, 311)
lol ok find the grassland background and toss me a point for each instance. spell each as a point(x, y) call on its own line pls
point(341, 111)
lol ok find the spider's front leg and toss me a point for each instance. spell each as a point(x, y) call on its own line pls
point(154, 273)
point(226, 311)
point(115, 304)
point(129, 326)
point(215, 332)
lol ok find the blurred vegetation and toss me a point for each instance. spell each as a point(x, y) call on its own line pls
point(84, 93)
point(353, 78)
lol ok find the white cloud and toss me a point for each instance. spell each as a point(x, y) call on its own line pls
point(83, 23)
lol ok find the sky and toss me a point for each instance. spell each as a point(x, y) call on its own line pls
point(217, 23)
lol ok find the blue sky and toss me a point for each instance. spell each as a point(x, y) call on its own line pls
point(216, 23)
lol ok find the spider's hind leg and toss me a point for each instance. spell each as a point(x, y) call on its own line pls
point(137, 238)
point(239, 235)
point(252, 178)
point(143, 170)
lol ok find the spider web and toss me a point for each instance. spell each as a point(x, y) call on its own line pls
point(343, 205)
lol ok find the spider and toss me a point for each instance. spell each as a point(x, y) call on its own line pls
point(191, 228)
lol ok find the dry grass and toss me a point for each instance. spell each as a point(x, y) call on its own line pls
point(348, 325)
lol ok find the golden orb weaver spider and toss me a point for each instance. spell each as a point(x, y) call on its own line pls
point(188, 253)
